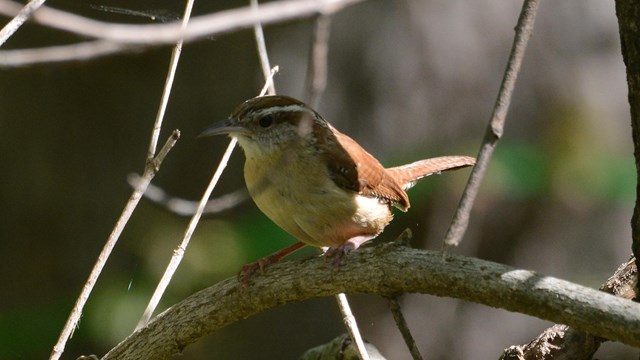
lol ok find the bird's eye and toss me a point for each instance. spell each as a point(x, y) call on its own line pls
point(266, 121)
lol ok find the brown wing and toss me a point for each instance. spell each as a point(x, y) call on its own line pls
point(352, 168)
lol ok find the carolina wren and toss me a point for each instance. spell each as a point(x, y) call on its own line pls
point(315, 182)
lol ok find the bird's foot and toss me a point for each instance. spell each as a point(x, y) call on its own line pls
point(337, 253)
point(247, 271)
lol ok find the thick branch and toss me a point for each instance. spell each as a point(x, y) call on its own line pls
point(564, 342)
point(386, 270)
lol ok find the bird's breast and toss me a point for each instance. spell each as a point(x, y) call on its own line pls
point(296, 192)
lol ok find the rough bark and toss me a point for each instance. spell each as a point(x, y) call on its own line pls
point(386, 270)
point(628, 12)
point(562, 342)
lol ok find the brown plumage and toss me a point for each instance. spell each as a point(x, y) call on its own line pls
point(315, 182)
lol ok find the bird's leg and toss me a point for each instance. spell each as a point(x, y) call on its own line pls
point(248, 270)
point(348, 246)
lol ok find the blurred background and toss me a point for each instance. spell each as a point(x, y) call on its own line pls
point(407, 79)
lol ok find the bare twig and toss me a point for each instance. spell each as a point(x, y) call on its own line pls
point(157, 34)
point(269, 80)
point(352, 327)
point(179, 252)
point(184, 207)
point(151, 169)
point(75, 52)
point(386, 270)
point(23, 15)
point(173, 65)
point(401, 323)
point(318, 54)
point(262, 49)
point(523, 32)
point(566, 342)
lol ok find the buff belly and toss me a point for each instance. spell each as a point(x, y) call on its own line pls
point(310, 206)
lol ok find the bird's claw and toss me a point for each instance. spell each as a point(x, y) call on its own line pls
point(247, 271)
point(337, 253)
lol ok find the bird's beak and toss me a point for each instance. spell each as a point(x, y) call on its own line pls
point(228, 126)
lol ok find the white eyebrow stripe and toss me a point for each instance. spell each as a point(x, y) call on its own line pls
point(286, 108)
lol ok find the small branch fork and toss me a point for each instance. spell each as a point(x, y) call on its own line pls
point(150, 171)
point(152, 167)
point(523, 32)
point(178, 253)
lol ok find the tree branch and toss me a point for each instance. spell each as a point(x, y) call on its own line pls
point(495, 128)
point(151, 168)
point(148, 35)
point(22, 15)
point(170, 33)
point(401, 323)
point(564, 342)
point(317, 68)
point(628, 12)
point(387, 270)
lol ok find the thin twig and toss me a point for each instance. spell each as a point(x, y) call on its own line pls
point(157, 34)
point(76, 312)
point(184, 207)
point(269, 80)
point(401, 323)
point(352, 327)
point(23, 15)
point(523, 32)
point(262, 49)
point(179, 252)
point(173, 65)
point(61, 53)
point(166, 92)
point(151, 168)
point(318, 69)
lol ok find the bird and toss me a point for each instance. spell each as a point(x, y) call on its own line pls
point(315, 182)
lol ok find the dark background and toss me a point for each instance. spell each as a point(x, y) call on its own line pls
point(407, 79)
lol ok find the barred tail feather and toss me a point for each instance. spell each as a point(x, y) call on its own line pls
point(408, 175)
